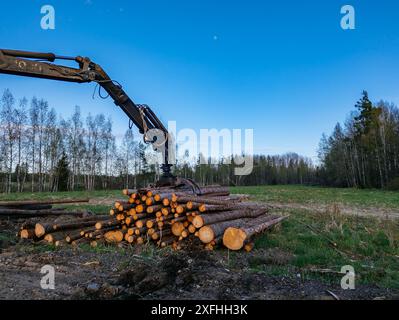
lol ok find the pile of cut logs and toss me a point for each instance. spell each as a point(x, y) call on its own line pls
point(209, 216)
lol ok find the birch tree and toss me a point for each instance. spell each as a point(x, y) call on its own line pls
point(32, 137)
point(20, 128)
point(8, 123)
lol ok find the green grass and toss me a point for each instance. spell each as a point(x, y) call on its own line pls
point(317, 195)
point(7, 237)
point(370, 245)
point(283, 194)
point(330, 241)
point(97, 209)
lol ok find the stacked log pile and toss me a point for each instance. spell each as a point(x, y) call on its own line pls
point(167, 217)
point(31, 209)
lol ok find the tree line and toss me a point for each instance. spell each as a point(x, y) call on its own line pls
point(42, 151)
point(289, 168)
point(364, 151)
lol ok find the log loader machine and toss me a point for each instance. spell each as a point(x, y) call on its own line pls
point(41, 65)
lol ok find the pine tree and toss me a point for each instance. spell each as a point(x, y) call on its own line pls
point(368, 115)
point(62, 172)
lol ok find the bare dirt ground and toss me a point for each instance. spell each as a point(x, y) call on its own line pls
point(105, 201)
point(185, 275)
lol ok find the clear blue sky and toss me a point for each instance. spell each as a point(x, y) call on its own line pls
point(284, 68)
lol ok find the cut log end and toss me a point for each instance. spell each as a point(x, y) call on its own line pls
point(139, 224)
point(94, 244)
point(114, 236)
point(49, 238)
point(206, 234)
point(27, 234)
point(189, 205)
point(192, 228)
point(234, 238)
point(59, 243)
point(249, 247)
point(198, 222)
point(177, 228)
point(179, 209)
point(184, 234)
point(39, 230)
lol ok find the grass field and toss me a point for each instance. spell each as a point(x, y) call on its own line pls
point(320, 243)
point(281, 194)
point(312, 195)
point(311, 244)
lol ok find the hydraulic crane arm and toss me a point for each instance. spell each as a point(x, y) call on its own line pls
point(40, 65)
point(19, 63)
